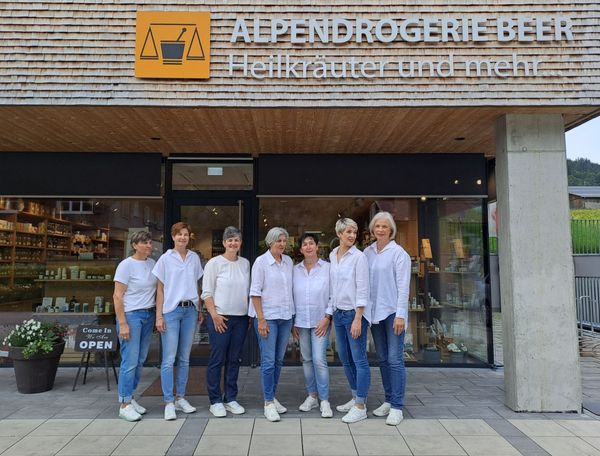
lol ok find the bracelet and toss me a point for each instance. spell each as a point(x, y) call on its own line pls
point(159, 318)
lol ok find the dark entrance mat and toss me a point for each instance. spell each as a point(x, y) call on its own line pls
point(196, 384)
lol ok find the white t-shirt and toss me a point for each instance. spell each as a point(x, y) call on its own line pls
point(228, 283)
point(141, 283)
point(179, 277)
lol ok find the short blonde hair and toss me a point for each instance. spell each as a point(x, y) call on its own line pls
point(343, 223)
point(388, 218)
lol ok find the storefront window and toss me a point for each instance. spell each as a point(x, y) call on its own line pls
point(443, 236)
point(58, 258)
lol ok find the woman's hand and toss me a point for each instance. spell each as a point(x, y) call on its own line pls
point(161, 326)
point(356, 328)
point(322, 327)
point(201, 316)
point(219, 322)
point(263, 327)
point(295, 333)
point(398, 325)
point(124, 331)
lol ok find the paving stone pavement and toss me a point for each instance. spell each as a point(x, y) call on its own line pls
point(447, 412)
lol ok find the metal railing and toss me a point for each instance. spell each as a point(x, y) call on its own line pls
point(585, 237)
point(587, 291)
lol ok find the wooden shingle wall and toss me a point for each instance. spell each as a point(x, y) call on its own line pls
point(81, 52)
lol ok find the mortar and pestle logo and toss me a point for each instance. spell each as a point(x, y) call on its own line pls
point(172, 50)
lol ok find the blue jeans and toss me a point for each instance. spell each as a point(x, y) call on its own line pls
point(225, 350)
point(314, 361)
point(390, 353)
point(135, 350)
point(353, 353)
point(177, 343)
point(272, 351)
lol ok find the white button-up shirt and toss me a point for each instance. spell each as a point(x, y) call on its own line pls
point(179, 277)
point(350, 281)
point(389, 277)
point(272, 281)
point(311, 294)
point(228, 283)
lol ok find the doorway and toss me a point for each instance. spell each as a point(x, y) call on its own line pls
point(209, 216)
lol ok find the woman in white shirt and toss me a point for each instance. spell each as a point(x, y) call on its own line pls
point(272, 306)
point(225, 288)
point(390, 268)
point(312, 322)
point(135, 306)
point(351, 316)
point(178, 271)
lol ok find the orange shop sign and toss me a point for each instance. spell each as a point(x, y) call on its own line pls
point(172, 45)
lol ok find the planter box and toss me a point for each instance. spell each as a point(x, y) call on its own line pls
point(36, 374)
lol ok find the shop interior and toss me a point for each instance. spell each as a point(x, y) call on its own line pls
point(57, 258)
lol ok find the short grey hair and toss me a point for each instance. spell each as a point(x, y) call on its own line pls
point(343, 223)
point(231, 232)
point(140, 236)
point(274, 234)
point(388, 218)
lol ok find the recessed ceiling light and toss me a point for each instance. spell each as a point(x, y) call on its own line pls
point(478, 181)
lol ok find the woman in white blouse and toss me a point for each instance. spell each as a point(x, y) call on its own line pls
point(349, 277)
point(389, 267)
point(225, 287)
point(272, 306)
point(178, 271)
point(313, 318)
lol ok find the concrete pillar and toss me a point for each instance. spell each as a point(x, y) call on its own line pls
point(541, 357)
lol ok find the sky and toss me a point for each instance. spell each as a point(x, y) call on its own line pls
point(584, 141)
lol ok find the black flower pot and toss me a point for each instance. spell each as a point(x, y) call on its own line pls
point(36, 374)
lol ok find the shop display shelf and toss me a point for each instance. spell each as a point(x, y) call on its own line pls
point(61, 235)
point(56, 249)
point(29, 247)
point(30, 233)
point(6, 231)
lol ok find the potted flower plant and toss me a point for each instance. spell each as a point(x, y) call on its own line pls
point(35, 348)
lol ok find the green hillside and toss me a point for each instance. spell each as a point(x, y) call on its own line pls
point(583, 172)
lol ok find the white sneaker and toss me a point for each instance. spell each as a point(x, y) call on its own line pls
point(218, 410)
point(383, 409)
point(137, 407)
point(129, 414)
point(347, 406)
point(326, 411)
point(235, 408)
point(170, 412)
point(395, 417)
point(309, 404)
point(184, 406)
point(355, 414)
point(271, 413)
point(280, 408)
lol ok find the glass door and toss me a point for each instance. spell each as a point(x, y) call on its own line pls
point(208, 217)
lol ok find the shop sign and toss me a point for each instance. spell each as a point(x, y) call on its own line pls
point(172, 45)
point(442, 31)
point(177, 45)
point(96, 338)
